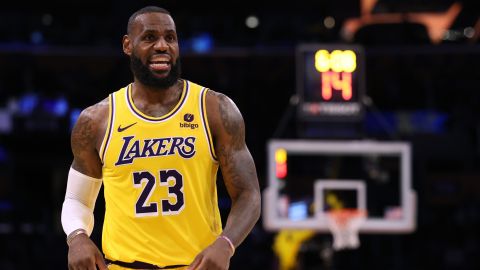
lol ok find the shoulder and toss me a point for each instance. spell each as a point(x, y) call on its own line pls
point(97, 110)
point(95, 113)
point(223, 114)
point(92, 122)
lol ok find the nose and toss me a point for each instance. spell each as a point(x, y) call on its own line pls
point(161, 44)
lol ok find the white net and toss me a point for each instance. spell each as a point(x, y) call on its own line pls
point(344, 225)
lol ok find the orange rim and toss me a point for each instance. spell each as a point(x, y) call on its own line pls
point(342, 216)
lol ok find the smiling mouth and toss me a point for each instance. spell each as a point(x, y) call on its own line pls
point(159, 65)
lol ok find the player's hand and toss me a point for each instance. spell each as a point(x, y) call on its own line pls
point(214, 257)
point(84, 255)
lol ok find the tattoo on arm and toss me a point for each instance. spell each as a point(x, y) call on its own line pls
point(237, 163)
point(82, 134)
point(83, 142)
point(232, 121)
point(238, 170)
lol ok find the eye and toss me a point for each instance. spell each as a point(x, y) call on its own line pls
point(149, 37)
point(170, 38)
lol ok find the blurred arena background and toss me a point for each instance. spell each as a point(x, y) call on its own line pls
point(422, 76)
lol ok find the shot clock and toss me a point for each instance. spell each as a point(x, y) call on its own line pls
point(330, 82)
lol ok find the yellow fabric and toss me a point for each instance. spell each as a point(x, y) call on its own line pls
point(287, 244)
point(117, 267)
point(150, 164)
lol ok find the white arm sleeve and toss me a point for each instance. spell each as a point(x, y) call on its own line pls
point(80, 197)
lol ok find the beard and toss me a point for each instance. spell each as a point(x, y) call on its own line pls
point(146, 76)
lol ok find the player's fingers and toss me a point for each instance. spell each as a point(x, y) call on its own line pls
point(202, 265)
point(100, 262)
point(195, 262)
point(91, 266)
point(84, 265)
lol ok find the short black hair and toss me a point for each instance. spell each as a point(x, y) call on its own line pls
point(147, 9)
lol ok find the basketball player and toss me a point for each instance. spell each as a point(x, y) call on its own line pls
point(156, 146)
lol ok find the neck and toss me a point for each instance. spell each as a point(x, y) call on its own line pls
point(152, 95)
point(156, 102)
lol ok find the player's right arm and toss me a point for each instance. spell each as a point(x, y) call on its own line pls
point(84, 182)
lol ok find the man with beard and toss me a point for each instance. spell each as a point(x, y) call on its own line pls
point(156, 146)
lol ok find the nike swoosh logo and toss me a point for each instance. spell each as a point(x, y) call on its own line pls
point(120, 129)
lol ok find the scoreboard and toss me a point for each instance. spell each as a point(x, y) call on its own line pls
point(330, 82)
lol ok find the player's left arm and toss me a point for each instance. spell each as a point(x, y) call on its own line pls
point(238, 170)
point(239, 174)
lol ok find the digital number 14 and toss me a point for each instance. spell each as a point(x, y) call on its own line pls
point(340, 81)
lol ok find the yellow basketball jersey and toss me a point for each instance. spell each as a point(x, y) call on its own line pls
point(159, 176)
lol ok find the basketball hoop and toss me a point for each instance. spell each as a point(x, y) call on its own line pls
point(344, 225)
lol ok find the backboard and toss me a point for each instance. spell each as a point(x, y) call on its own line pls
point(307, 178)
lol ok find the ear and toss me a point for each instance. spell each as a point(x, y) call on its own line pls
point(127, 45)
